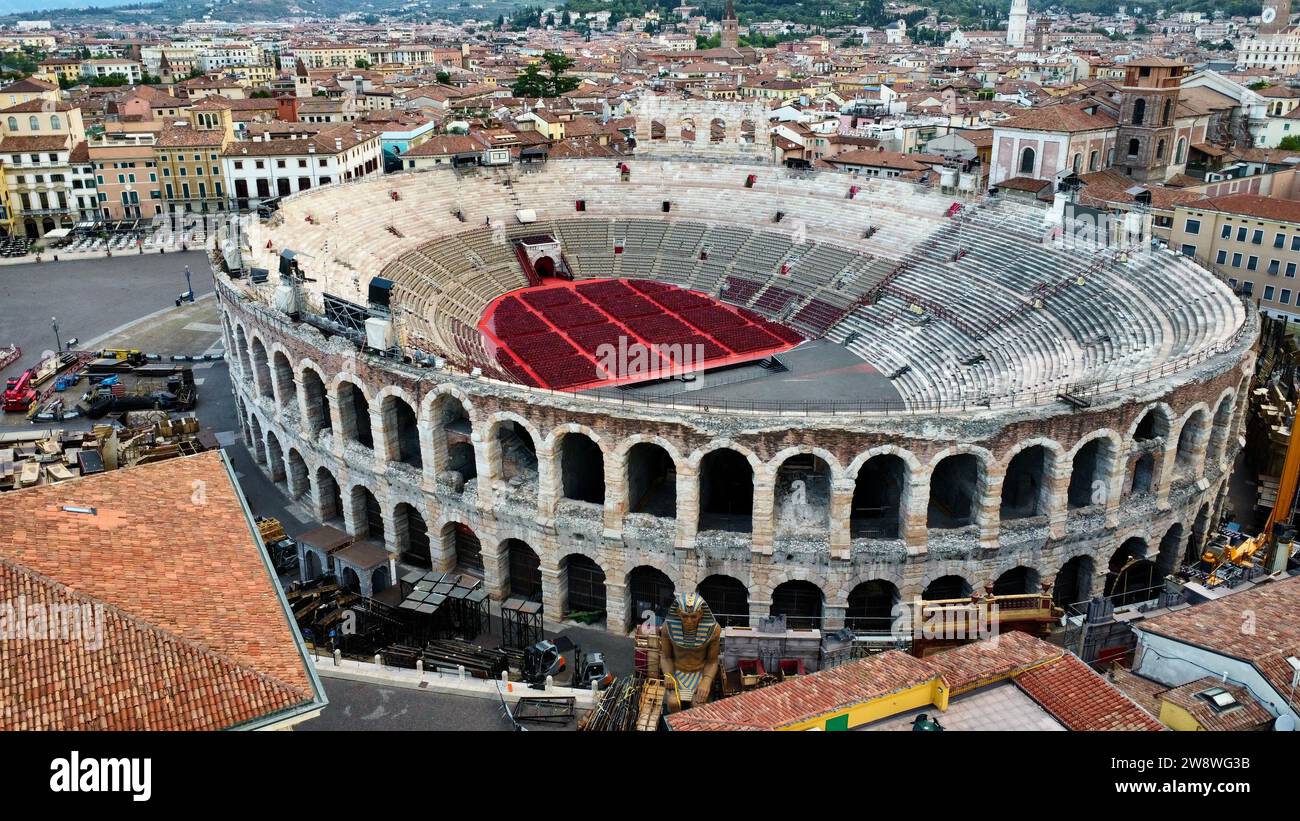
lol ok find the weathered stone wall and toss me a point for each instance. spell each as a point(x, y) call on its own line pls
point(283, 427)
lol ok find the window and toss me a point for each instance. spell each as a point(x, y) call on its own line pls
point(1169, 106)
point(239, 165)
point(1180, 153)
point(1268, 293)
point(1139, 112)
point(1257, 237)
point(13, 123)
point(1133, 147)
point(55, 122)
point(1252, 264)
point(1226, 232)
point(1236, 260)
point(1279, 240)
point(1295, 243)
point(1272, 267)
point(1221, 258)
point(1248, 288)
point(1241, 234)
point(33, 123)
point(1160, 150)
point(1092, 161)
point(1193, 226)
point(1189, 250)
point(1290, 269)
point(1285, 298)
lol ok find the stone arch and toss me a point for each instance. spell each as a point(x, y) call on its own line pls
point(262, 369)
point(1222, 427)
point(283, 377)
point(1092, 466)
point(726, 490)
point(882, 487)
point(1171, 550)
point(512, 447)
point(275, 460)
point(802, 602)
point(353, 401)
point(411, 534)
point(523, 569)
point(298, 474)
point(685, 127)
point(649, 587)
point(1027, 478)
point(329, 497)
point(582, 581)
point(950, 586)
point(580, 464)
point(1193, 438)
point(1131, 574)
point(460, 544)
point(365, 513)
point(452, 420)
point(650, 475)
point(259, 445)
point(1019, 580)
point(241, 351)
point(315, 397)
point(400, 427)
point(1074, 580)
point(804, 478)
point(1153, 423)
point(958, 480)
point(727, 597)
point(717, 130)
point(873, 606)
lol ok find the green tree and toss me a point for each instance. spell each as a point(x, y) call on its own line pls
point(559, 63)
point(532, 83)
point(361, 63)
point(442, 77)
point(1291, 143)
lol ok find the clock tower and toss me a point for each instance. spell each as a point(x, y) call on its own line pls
point(730, 27)
point(1275, 16)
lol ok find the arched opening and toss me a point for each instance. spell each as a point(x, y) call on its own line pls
point(318, 405)
point(402, 431)
point(329, 497)
point(525, 570)
point(379, 580)
point(728, 598)
point(1191, 442)
point(1027, 161)
point(456, 441)
point(313, 569)
point(545, 267)
point(411, 535)
point(878, 498)
point(1093, 159)
point(1025, 489)
point(1168, 112)
point(1130, 576)
point(658, 131)
point(726, 492)
point(872, 607)
point(686, 130)
point(1133, 148)
point(955, 492)
point(460, 541)
point(518, 454)
point(1143, 471)
point(285, 381)
point(1090, 473)
point(354, 413)
point(651, 480)
point(582, 469)
point(585, 583)
point(261, 370)
point(1073, 583)
point(299, 480)
point(1153, 425)
point(648, 589)
point(349, 581)
point(1017, 581)
point(801, 604)
point(1171, 551)
point(367, 517)
point(803, 496)
point(1139, 111)
point(747, 131)
point(275, 460)
point(946, 587)
point(1180, 151)
point(717, 130)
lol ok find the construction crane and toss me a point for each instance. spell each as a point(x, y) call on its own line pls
point(1230, 554)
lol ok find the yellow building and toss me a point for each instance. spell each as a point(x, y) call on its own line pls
point(189, 159)
point(36, 148)
point(330, 55)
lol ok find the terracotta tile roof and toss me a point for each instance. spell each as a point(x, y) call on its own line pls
point(1249, 715)
point(37, 106)
point(178, 136)
point(1269, 208)
point(1215, 626)
point(444, 145)
point(1081, 699)
point(196, 633)
point(48, 142)
point(964, 669)
point(1067, 117)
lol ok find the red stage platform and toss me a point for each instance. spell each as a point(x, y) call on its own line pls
point(551, 335)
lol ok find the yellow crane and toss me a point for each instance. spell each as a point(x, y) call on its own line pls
point(1223, 555)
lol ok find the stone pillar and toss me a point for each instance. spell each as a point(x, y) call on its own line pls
point(392, 542)
point(1164, 472)
point(615, 607)
point(496, 572)
point(758, 609)
point(916, 530)
point(764, 509)
point(433, 458)
point(840, 512)
point(988, 515)
point(555, 592)
point(833, 616)
point(616, 502)
point(688, 506)
point(379, 439)
point(1115, 487)
point(1058, 496)
point(486, 488)
point(336, 415)
point(549, 485)
point(442, 550)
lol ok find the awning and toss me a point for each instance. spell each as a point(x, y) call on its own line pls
point(58, 233)
point(526, 215)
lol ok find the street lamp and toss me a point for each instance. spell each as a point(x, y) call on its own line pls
point(58, 343)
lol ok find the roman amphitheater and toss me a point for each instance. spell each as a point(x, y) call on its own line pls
point(905, 393)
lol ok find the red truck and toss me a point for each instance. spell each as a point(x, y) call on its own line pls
point(19, 393)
